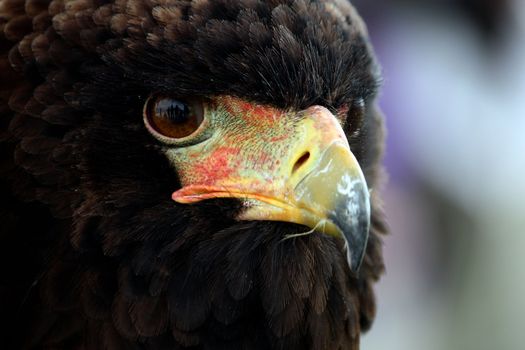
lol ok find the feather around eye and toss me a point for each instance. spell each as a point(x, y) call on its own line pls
point(173, 118)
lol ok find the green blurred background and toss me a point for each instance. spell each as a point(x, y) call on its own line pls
point(454, 98)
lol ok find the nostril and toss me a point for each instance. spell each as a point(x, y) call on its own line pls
point(299, 163)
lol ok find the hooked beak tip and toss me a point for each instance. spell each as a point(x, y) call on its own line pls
point(352, 217)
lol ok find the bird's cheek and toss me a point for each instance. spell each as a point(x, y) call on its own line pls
point(292, 168)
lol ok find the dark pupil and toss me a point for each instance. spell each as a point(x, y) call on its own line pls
point(177, 112)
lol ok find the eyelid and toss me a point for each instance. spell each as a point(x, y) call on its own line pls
point(342, 114)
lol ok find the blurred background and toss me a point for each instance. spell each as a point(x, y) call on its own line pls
point(454, 98)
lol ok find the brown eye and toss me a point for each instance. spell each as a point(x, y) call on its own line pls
point(173, 118)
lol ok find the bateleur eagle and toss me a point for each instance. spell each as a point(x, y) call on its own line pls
point(187, 174)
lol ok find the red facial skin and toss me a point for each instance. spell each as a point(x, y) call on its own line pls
point(252, 148)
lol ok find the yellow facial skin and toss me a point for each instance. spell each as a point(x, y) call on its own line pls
point(285, 166)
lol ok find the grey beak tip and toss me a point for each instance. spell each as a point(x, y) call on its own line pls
point(355, 258)
point(352, 217)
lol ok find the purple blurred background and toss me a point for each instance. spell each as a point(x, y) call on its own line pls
point(454, 98)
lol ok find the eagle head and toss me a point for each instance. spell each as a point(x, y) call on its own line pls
point(207, 167)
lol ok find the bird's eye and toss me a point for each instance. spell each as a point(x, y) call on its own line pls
point(356, 115)
point(173, 118)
